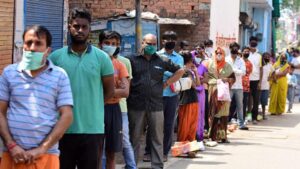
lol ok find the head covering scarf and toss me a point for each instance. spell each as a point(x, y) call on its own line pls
point(278, 62)
point(220, 64)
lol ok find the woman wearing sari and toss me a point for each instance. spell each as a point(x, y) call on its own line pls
point(279, 85)
point(200, 62)
point(219, 110)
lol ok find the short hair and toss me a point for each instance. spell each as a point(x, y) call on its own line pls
point(187, 56)
point(208, 42)
point(253, 38)
point(39, 31)
point(107, 34)
point(201, 46)
point(184, 43)
point(266, 53)
point(234, 44)
point(169, 35)
point(297, 51)
point(80, 13)
point(246, 47)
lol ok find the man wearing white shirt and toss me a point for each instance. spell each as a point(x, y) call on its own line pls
point(256, 76)
point(239, 69)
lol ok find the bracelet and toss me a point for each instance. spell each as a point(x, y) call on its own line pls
point(11, 146)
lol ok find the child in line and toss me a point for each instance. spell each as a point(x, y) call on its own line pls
point(265, 86)
point(292, 83)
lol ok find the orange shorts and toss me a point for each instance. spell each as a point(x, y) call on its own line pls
point(47, 161)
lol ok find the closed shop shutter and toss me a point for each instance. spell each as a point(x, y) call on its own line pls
point(48, 13)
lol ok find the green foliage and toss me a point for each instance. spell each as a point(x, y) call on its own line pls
point(292, 4)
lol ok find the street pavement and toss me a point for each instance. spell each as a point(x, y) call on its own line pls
point(271, 144)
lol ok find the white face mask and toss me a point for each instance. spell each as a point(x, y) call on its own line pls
point(198, 60)
point(219, 57)
point(209, 50)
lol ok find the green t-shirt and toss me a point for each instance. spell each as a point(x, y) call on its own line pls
point(126, 62)
point(85, 73)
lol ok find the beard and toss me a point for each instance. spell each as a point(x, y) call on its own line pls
point(77, 41)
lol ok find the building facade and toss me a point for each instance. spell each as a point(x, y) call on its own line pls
point(6, 32)
point(258, 23)
point(196, 11)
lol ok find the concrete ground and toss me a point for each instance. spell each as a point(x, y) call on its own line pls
point(272, 144)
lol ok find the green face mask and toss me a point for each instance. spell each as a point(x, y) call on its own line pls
point(150, 50)
point(32, 60)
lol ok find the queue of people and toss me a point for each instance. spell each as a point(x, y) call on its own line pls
point(79, 105)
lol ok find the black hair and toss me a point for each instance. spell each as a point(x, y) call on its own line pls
point(208, 42)
point(107, 34)
point(187, 56)
point(79, 13)
point(246, 47)
point(253, 38)
point(234, 44)
point(296, 51)
point(169, 35)
point(201, 46)
point(266, 53)
point(40, 31)
point(184, 43)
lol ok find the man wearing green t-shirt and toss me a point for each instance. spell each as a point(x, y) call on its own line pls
point(91, 74)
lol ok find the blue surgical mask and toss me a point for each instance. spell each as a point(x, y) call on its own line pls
point(198, 60)
point(32, 60)
point(110, 50)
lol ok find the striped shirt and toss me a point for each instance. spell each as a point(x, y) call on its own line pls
point(34, 103)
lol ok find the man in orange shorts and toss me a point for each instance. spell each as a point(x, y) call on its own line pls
point(35, 106)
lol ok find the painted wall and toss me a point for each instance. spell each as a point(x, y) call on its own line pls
point(263, 17)
point(224, 22)
point(6, 33)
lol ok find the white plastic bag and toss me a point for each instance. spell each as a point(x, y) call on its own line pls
point(223, 91)
point(182, 84)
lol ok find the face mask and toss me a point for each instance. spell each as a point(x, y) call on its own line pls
point(234, 51)
point(209, 50)
point(198, 60)
point(32, 60)
point(117, 52)
point(246, 55)
point(219, 57)
point(150, 50)
point(110, 50)
point(267, 60)
point(253, 44)
point(170, 45)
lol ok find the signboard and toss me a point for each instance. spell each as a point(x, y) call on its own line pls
point(98, 25)
point(224, 22)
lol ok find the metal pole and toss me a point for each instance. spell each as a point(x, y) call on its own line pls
point(138, 25)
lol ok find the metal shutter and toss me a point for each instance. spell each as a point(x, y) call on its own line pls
point(48, 13)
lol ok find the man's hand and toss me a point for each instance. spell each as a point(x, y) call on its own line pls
point(18, 155)
point(259, 85)
point(34, 154)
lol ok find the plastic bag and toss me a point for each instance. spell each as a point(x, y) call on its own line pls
point(223, 91)
point(182, 84)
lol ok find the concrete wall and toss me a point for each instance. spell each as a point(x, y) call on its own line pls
point(263, 17)
point(197, 11)
point(6, 32)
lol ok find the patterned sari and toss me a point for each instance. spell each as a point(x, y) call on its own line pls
point(218, 110)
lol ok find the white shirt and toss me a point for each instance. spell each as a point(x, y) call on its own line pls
point(239, 69)
point(267, 69)
point(296, 62)
point(255, 59)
